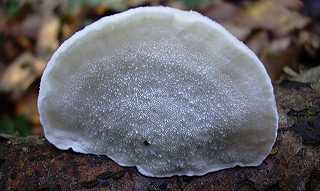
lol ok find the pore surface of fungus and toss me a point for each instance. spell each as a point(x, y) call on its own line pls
point(168, 91)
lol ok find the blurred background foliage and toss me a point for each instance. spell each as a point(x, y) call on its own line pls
point(18, 125)
point(283, 33)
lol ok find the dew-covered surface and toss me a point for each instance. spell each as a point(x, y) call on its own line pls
point(162, 101)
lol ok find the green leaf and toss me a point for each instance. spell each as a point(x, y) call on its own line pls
point(23, 126)
point(198, 3)
point(12, 7)
point(19, 126)
point(7, 126)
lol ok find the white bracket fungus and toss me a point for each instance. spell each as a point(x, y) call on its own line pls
point(168, 91)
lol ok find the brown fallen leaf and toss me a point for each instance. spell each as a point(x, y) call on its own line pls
point(310, 76)
point(221, 11)
point(272, 15)
point(177, 5)
point(28, 27)
point(277, 55)
point(19, 75)
point(224, 13)
point(258, 41)
point(24, 42)
point(310, 41)
point(289, 71)
point(133, 3)
point(48, 36)
point(241, 32)
point(27, 106)
point(9, 50)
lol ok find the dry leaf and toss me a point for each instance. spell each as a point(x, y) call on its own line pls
point(258, 41)
point(21, 74)
point(278, 55)
point(272, 15)
point(241, 32)
point(311, 76)
point(27, 107)
point(48, 37)
point(221, 12)
point(225, 13)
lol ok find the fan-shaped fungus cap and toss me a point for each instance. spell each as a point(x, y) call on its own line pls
point(168, 91)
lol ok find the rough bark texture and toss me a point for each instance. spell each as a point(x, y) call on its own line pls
point(294, 164)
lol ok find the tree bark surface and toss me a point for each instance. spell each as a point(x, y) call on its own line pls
point(294, 164)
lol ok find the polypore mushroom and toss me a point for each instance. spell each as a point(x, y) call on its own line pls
point(168, 91)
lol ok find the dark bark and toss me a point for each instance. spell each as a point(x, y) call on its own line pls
point(294, 164)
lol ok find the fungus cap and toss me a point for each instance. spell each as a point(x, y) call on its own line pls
point(168, 91)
